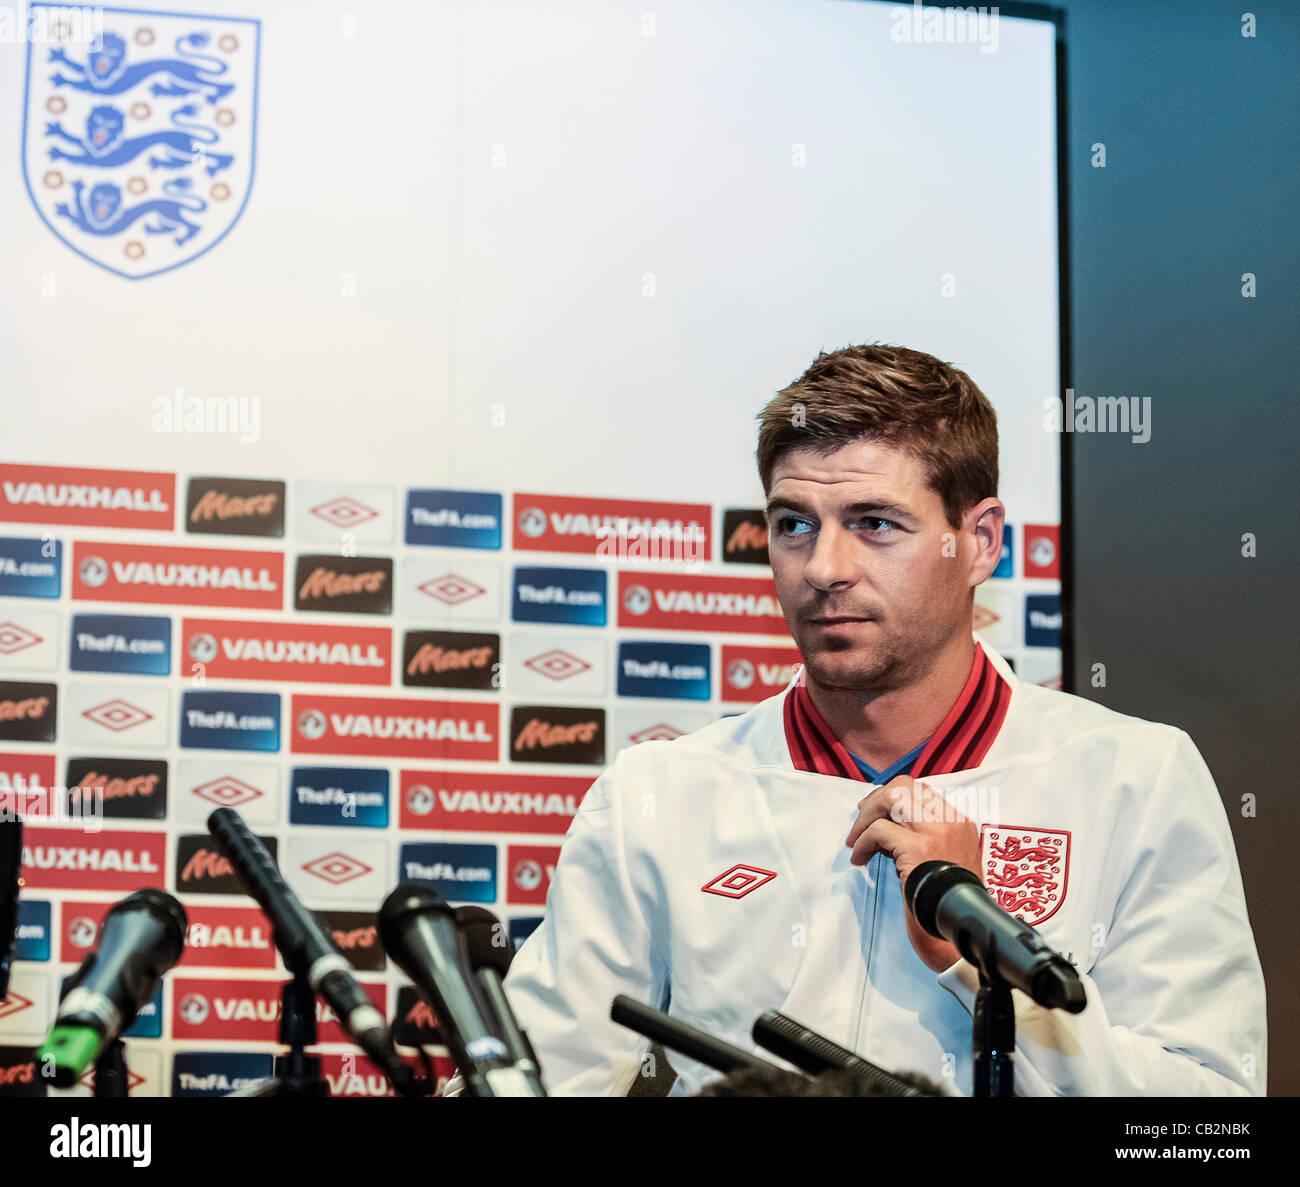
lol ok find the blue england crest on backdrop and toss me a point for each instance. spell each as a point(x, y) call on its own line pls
point(138, 144)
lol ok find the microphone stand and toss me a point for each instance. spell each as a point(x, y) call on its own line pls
point(993, 1037)
point(295, 1072)
point(110, 1071)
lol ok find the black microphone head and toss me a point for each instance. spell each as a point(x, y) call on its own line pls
point(483, 935)
point(409, 898)
point(927, 884)
point(163, 907)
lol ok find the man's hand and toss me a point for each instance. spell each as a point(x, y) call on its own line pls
point(913, 823)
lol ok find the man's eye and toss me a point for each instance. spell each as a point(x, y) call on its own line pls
point(877, 526)
point(786, 525)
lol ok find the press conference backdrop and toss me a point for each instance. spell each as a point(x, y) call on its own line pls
point(469, 282)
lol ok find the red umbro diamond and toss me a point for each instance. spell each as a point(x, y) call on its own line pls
point(739, 881)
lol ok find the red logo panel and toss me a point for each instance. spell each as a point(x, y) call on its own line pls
point(70, 859)
point(756, 673)
point(396, 728)
point(158, 573)
point(90, 498)
point(529, 870)
point(615, 527)
point(311, 651)
point(249, 1011)
point(471, 801)
point(1043, 550)
point(25, 783)
point(686, 602)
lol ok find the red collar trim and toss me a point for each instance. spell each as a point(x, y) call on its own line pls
point(959, 744)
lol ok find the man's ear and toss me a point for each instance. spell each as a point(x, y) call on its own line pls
point(984, 523)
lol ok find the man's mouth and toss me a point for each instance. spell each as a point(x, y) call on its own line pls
point(839, 620)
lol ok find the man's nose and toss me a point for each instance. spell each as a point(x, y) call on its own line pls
point(833, 563)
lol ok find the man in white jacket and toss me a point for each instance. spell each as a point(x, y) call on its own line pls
point(752, 865)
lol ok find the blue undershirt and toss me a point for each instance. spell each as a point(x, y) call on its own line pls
point(901, 767)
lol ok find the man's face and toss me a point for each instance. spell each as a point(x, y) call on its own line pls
point(873, 579)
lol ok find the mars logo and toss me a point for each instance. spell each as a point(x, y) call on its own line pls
point(744, 537)
point(552, 734)
point(738, 881)
point(235, 507)
point(28, 711)
point(138, 144)
point(1026, 870)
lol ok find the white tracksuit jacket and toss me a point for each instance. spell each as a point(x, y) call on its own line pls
point(1104, 831)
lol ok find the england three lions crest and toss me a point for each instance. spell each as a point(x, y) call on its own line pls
point(1026, 870)
point(139, 132)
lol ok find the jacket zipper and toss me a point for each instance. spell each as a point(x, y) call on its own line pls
point(877, 861)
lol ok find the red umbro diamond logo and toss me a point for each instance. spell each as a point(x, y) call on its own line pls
point(739, 881)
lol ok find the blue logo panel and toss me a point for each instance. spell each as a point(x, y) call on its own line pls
point(460, 873)
point(1006, 565)
point(148, 1022)
point(121, 643)
point(230, 720)
point(521, 927)
point(573, 596)
point(1043, 620)
point(217, 1073)
point(453, 518)
point(30, 568)
point(673, 670)
point(345, 797)
point(33, 935)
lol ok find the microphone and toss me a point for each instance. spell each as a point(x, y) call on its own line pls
point(139, 940)
point(681, 1036)
point(418, 930)
point(11, 864)
point(490, 961)
point(950, 902)
point(814, 1053)
point(308, 950)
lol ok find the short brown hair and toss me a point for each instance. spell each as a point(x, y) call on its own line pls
point(896, 396)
